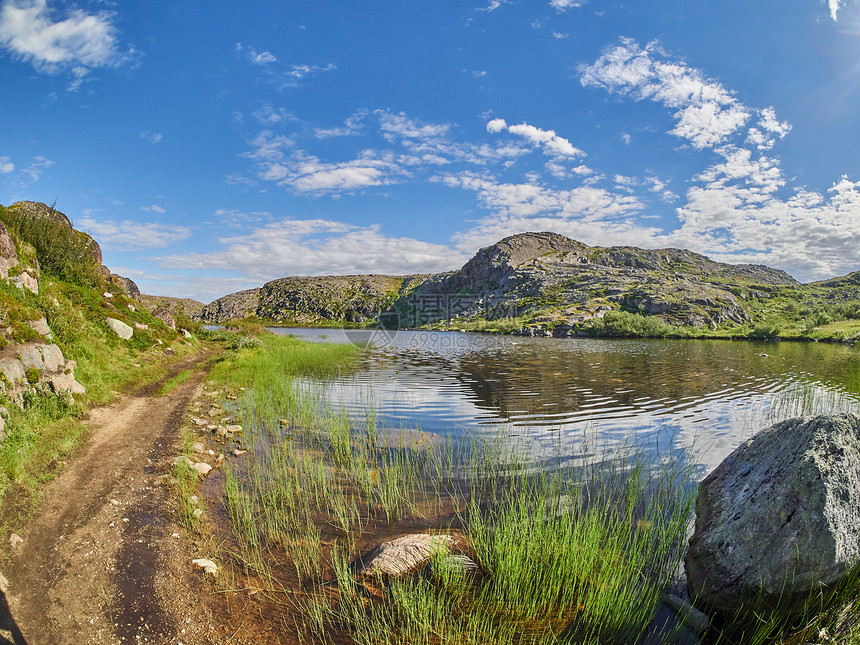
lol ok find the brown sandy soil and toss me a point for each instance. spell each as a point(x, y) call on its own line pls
point(105, 559)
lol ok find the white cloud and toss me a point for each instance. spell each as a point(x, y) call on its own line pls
point(352, 126)
point(264, 58)
point(834, 5)
point(6, 165)
point(707, 114)
point(281, 76)
point(125, 235)
point(77, 41)
point(269, 115)
point(153, 137)
point(319, 247)
point(155, 208)
point(559, 36)
point(564, 5)
point(547, 139)
point(399, 125)
point(33, 171)
point(496, 125)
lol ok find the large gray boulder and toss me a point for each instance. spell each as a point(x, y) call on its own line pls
point(120, 328)
point(779, 517)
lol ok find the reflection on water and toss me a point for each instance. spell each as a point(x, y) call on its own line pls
point(570, 397)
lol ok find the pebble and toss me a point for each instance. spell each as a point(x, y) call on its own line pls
point(202, 467)
point(16, 540)
point(198, 447)
point(207, 565)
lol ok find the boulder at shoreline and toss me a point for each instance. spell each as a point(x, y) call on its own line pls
point(779, 517)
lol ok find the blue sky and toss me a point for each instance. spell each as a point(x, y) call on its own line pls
point(210, 149)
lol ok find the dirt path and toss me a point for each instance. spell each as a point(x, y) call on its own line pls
point(104, 561)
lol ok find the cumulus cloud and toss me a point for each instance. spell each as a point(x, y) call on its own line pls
point(6, 165)
point(548, 140)
point(77, 41)
point(706, 112)
point(319, 247)
point(125, 235)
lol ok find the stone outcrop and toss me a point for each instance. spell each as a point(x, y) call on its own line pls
point(241, 304)
point(127, 285)
point(18, 363)
point(162, 314)
point(120, 328)
point(176, 306)
point(8, 254)
point(780, 516)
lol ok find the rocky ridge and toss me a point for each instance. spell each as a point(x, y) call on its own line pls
point(544, 278)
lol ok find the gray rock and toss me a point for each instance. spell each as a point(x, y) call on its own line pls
point(40, 327)
point(52, 357)
point(8, 254)
point(163, 314)
point(780, 516)
point(12, 369)
point(405, 554)
point(31, 357)
point(66, 383)
point(694, 619)
point(120, 328)
point(127, 285)
point(26, 280)
point(202, 468)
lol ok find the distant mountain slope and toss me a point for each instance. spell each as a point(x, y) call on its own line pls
point(543, 278)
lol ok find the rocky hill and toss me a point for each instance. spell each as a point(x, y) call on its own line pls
point(539, 278)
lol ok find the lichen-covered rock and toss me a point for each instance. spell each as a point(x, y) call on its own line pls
point(26, 280)
point(127, 285)
point(12, 370)
point(40, 327)
point(8, 254)
point(163, 314)
point(780, 516)
point(120, 328)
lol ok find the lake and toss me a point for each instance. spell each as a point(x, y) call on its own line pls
point(569, 399)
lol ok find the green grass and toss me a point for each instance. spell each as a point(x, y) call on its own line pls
point(174, 381)
point(566, 556)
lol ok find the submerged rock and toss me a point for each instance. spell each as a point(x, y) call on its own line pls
point(780, 516)
point(405, 554)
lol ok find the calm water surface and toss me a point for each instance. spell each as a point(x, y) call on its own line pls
point(568, 398)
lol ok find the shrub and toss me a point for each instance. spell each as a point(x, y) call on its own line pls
point(63, 253)
point(32, 375)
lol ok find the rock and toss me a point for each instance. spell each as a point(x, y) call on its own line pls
point(16, 541)
point(198, 421)
point(66, 383)
point(8, 254)
point(40, 327)
point(31, 357)
point(694, 619)
point(26, 280)
point(234, 429)
point(127, 285)
point(4, 584)
point(185, 333)
point(198, 447)
point(53, 358)
point(780, 516)
point(163, 314)
point(140, 325)
point(202, 468)
point(238, 453)
point(207, 565)
point(12, 370)
point(182, 459)
point(120, 328)
point(405, 554)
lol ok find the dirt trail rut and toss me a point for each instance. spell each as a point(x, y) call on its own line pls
point(92, 566)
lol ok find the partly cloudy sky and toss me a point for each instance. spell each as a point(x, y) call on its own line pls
point(211, 151)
